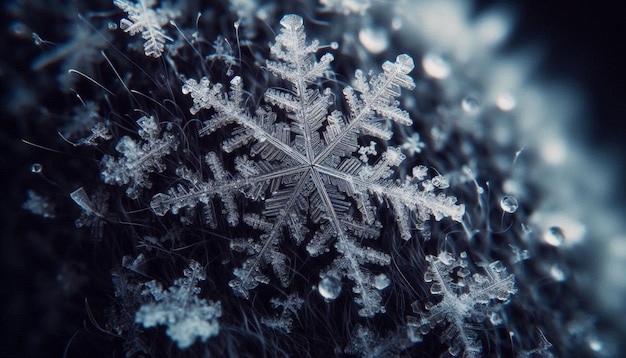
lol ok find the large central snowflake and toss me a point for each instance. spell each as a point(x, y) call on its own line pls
point(306, 168)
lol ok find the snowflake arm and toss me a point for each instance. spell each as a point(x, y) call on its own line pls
point(229, 108)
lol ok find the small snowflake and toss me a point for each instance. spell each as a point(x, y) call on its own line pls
point(413, 144)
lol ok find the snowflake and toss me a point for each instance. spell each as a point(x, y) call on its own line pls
point(138, 159)
point(413, 144)
point(307, 170)
point(186, 316)
point(470, 299)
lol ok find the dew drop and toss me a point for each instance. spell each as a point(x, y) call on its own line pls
point(436, 65)
point(509, 204)
point(374, 40)
point(554, 236)
point(470, 104)
point(36, 168)
point(329, 287)
point(381, 281)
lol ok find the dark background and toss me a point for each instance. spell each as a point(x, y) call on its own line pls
point(585, 42)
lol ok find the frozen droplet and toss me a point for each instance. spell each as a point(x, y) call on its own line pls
point(506, 102)
point(374, 40)
point(436, 65)
point(334, 45)
point(329, 287)
point(405, 62)
point(557, 273)
point(509, 204)
point(470, 104)
point(381, 281)
point(291, 22)
point(112, 25)
point(36, 168)
point(554, 236)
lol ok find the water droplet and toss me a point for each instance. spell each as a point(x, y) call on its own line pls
point(112, 25)
point(554, 236)
point(470, 104)
point(374, 40)
point(36, 168)
point(436, 65)
point(334, 45)
point(329, 287)
point(509, 204)
point(506, 102)
point(381, 281)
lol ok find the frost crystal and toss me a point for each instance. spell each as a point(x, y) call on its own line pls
point(290, 306)
point(94, 209)
point(39, 205)
point(143, 18)
point(138, 159)
point(308, 169)
point(186, 316)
